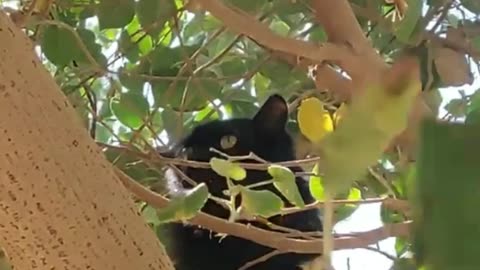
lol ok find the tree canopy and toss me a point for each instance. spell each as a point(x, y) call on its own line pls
point(141, 74)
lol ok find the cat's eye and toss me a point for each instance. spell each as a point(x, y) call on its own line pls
point(228, 141)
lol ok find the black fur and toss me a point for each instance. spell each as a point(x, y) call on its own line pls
point(192, 248)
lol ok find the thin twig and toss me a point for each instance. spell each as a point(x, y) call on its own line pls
point(265, 237)
point(260, 259)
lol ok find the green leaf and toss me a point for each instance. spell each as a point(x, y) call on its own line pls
point(457, 107)
point(473, 109)
point(238, 94)
point(390, 216)
point(130, 109)
point(284, 8)
point(262, 84)
point(247, 5)
point(128, 48)
point(130, 80)
point(186, 206)
point(404, 264)
point(471, 5)
point(446, 196)
point(280, 28)
point(344, 211)
point(172, 122)
point(233, 67)
point(279, 72)
point(360, 138)
point(86, 12)
point(476, 42)
point(474, 103)
point(433, 99)
point(316, 185)
point(318, 34)
point(115, 13)
point(154, 11)
point(89, 40)
point(473, 117)
point(407, 26)
point(228, 169)
point(242, 109)
point(190, 95)
point(150, 215)
point(284, 180)
point(165, 62)
point(355, 194)
point(260, 202)
point(218, 45)
point(59, 45)
point(401, 246)
point(208, 113)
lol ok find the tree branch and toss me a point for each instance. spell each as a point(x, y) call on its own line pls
point(347, 31)
point(264, 237)
point(325, 76)
point(240, 22)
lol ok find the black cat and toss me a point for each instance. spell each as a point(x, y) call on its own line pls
point(193, 248)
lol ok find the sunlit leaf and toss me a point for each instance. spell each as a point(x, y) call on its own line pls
point(318, 34)
point(228, 169)
point(314, 121)
point(280, 28)
point(316, 185)
point(208, 113)
point(260, 202)
point(355, 194)
point(284, 180)
point(186, 206)
point(150, 215)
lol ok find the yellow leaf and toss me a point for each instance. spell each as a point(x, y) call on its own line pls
point(313, 120)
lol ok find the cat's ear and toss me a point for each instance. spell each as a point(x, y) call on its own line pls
point(273, 114)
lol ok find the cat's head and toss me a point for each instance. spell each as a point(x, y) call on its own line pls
point(264, 134)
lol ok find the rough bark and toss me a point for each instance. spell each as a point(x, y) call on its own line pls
point(61, 204)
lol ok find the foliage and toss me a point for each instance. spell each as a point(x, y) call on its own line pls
point(143, 73)
point(442, 208)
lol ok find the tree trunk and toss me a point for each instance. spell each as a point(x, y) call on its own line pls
point(61, 205)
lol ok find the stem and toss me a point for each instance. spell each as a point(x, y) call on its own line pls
point(233, 212)
point(327, 230)
point(262, 183)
